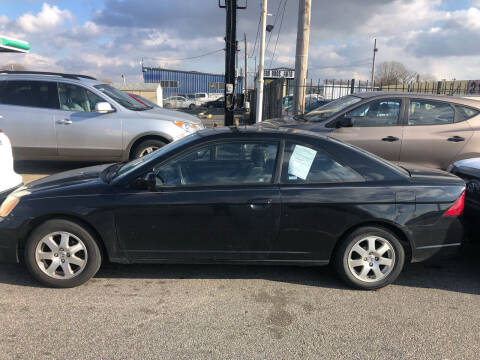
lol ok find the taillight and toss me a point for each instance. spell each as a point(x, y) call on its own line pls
point(457, 208)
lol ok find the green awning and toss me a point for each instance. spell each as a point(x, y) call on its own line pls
point(13, 45)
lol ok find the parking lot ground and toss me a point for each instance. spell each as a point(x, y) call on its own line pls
point(240, 312)
point(243, 312)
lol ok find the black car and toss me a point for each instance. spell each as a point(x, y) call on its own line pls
point(250, 195)
point(216, 104)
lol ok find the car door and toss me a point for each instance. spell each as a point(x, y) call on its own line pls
point(319, 197)
point(82, 133)
point(218, 201)
point(376, 127)
point(27, 115)
point(432, 137)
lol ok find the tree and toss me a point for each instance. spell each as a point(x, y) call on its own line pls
point(13, 66)
point(394, 72)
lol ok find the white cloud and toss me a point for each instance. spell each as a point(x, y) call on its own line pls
point(47, 19)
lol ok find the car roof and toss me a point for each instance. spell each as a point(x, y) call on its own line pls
point(454, 99)
point(258, 130)
point(40, 75)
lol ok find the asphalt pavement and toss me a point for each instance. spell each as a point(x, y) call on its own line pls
point(243, 312)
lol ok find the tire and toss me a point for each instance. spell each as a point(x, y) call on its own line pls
point(167, 106)
point(192, 107)
point(372, 271)
point(210, 107)
point(88, 254)
point(146, 147)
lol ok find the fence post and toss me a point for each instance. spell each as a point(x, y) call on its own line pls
point(352, 86)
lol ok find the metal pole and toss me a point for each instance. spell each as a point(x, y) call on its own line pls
point(301, 58)
point(245, 80)
point(261, 68)
point(373, 61)
point(230, 55)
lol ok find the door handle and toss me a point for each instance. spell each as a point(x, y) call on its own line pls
point(390, 139)
point(456, 139)
point(65, 122)
point(260, 204)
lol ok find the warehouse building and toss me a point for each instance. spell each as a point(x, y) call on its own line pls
point(176, 82)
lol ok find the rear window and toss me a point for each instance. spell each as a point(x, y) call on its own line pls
point(40, 94)
point(464, 113)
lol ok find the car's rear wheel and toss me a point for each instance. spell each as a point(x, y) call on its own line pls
point(146, 147)
point(62, 254)
point(370, 258)
point(192, 106)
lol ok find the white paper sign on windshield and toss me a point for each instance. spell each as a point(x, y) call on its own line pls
point(301, 161)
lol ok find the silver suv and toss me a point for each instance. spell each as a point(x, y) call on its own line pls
point(53, 116)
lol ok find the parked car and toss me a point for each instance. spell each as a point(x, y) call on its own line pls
point(216, 104)
point(52, 116)
point(311, 103)
point(469, 170)
point(419, 129)
point(233, 195)
point(143, 100)
point(9, 179)
point(178, 102)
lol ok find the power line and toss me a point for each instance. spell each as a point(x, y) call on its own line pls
point(188, 58)
point(256, 37)
point(278, 35)
point(274, 23)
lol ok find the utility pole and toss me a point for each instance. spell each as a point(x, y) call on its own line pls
point(230, 56)
point(373, 61)
point(245, 79)
point(261, 68)
point(301, 58)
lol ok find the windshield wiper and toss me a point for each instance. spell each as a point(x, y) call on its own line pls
point(148, 107)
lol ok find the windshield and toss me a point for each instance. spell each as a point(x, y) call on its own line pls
point(121, 98)
point(331, 108)
point(146, 101)
point(135, 164)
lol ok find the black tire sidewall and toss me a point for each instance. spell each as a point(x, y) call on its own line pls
point(341, 258)
point(145, 144)
point(94, 254)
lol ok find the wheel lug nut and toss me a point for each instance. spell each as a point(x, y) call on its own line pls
point(56, 255)
point(61, 249)
point(376, 258)
point(371, 264)
point(63, 260)
point(365, 259)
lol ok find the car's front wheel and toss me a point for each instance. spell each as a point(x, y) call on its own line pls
point(370, 258)
point(62, 254)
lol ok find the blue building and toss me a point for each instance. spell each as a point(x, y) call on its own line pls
point(176, 82)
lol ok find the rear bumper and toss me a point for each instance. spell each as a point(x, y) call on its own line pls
point(440, 239)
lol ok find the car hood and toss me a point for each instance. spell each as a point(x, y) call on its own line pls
point(66, 179)
point(168, 115)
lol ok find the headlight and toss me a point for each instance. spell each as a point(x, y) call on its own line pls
point(188, 127)
point(8, 205)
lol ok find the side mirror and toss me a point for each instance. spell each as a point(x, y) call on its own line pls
point(151, 180)
point(104, 108)
point(344, 122)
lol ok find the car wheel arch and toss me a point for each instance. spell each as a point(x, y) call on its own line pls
point(75, 219)
point(141, 138)
point(406, 242)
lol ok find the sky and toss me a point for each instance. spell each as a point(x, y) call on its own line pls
point(107, 38)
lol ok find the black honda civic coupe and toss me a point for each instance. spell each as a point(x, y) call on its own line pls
point(235, 195)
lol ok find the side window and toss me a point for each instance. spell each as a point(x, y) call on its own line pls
point(77, 98)
point(228, 163)
point(427, 112)
point(305, 165)
point(464, 113)
point(41, 94)
point(376, 113)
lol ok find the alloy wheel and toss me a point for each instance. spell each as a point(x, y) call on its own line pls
point(61, 255)
point(148, 150)
point(371, 259)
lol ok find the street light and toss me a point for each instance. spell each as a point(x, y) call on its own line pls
point(10, 45)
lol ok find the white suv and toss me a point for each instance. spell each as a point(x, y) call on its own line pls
point(9, 179)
